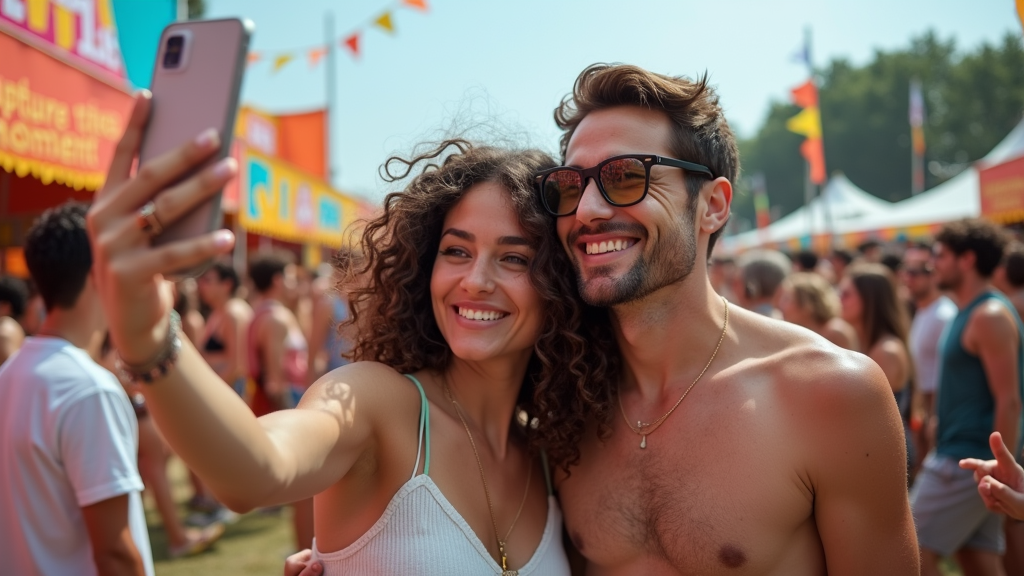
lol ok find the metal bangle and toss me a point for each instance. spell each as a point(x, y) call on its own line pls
point(161, 364)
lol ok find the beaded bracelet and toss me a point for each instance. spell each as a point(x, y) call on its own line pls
point(160, 365)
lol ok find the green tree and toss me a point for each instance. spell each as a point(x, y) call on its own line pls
point(196, 9)
point(972, 101)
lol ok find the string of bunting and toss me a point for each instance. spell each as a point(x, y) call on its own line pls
point(351, 43)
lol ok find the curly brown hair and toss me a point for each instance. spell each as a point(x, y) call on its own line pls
point(569, 376)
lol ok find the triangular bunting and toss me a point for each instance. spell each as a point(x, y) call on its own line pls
point(253, 58)
point(384, 21)
point(315, 55)
point(422, 4)
point(281, 61)
point(352, 43)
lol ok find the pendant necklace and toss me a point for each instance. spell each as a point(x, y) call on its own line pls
point(645, 429)
point(490, 508)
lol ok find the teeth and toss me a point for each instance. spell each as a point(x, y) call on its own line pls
point(482, 315)
point(607, 246)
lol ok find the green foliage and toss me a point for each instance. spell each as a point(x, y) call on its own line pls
point(972, 101)
point(196, 9)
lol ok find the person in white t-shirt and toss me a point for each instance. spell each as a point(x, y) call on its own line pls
point(933, 312)
point(71, 499)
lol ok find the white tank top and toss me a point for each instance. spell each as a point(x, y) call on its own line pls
point(421, 533)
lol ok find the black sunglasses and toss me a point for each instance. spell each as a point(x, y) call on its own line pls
point(622, 180)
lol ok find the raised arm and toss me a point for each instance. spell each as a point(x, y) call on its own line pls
point(246, 462)
point(859, 473)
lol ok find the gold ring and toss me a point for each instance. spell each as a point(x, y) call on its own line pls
point(148, 221)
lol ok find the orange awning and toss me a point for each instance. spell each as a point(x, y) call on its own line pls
point(57, 123)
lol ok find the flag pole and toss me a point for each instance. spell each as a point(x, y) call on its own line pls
point(330, 96)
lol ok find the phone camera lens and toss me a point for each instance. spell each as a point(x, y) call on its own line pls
point(172, 54)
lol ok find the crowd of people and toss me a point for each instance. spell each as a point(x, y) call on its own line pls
point(535, 344)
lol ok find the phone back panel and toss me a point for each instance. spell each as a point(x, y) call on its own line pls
point(201, 92)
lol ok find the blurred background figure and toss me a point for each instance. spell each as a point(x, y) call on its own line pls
point(278, 354)
point(153, 457)
point(870, 251)
point(806, 299)
point(328, 339)
point(805, 261)
point(722, 274)
point(1009, 276)
point(761, 272)
point(840, 260)
point(227, 324)
point(892, 260)
point(13, 305)
point(186, 304)
point(932, 312)
point(870, 305)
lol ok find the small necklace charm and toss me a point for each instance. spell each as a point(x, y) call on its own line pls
point(504, 562)
point(643, 442)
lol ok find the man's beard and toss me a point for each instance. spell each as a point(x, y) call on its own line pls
point(949, 283)
point(670, 261)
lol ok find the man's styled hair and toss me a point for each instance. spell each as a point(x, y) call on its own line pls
point(807, 259)
point(225, 271)
point(1013, 261)
point(265, 265)
point(763, 272)
point(58, 255)
point(843, 255)
point(14, 292)
point(985, 239)
point(700, 132)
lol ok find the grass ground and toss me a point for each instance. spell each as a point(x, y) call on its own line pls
point(256, 544)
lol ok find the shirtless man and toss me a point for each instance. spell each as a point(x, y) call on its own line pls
point(783, 454)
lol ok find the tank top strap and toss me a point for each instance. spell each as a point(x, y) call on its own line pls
point(423, 443)
point(547, 472)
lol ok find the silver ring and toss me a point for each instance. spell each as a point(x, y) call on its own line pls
point(148, 221)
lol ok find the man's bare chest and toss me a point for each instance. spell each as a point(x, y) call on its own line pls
point(700, 498)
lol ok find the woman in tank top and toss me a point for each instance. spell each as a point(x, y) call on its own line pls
point(872, 307)
point(474, 350)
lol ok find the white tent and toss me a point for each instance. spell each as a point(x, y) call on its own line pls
point(841, 204)
point(959, 197)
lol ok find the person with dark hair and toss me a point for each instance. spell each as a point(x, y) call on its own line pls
point(68, 452)
point(807, 299)
point(223, 342)
point(871, 306)
point(892, 261)
point(1009, 275)
point(980, 388)
point(13, 302)
point(756, 286)
point(645, 192)
point(331, 337)
point(870, 251)
point(475, 341)
point(840, 259)
point(805, 261)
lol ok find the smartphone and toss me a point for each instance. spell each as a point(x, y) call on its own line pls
point(197, 78)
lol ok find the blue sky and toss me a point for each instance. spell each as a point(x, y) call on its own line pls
point(497, 69)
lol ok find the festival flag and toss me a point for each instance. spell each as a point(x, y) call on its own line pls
point(808, 124)
point(316, 54)
point(385, 23)
point(253, 58)
point(916, 110)
point(281, 61)
point(421, 5)
point(1020, 10)
point(761, 207)
point(352, 43)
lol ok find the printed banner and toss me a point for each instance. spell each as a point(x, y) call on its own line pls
point(56, 123)
point(1002, 191)
point(83, 28)
point(280, 201)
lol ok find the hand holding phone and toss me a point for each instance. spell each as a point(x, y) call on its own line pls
point(196, 83)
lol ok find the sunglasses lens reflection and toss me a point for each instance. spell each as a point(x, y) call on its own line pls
point(624, 180)
point(562, 190)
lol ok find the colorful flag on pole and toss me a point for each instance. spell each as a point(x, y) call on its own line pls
point(917, 116)
point(808, 124)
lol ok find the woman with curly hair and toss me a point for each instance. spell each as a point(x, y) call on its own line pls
point(474, 352)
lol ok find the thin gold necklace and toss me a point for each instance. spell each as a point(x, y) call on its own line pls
point(487, 493)
point(644, 429)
